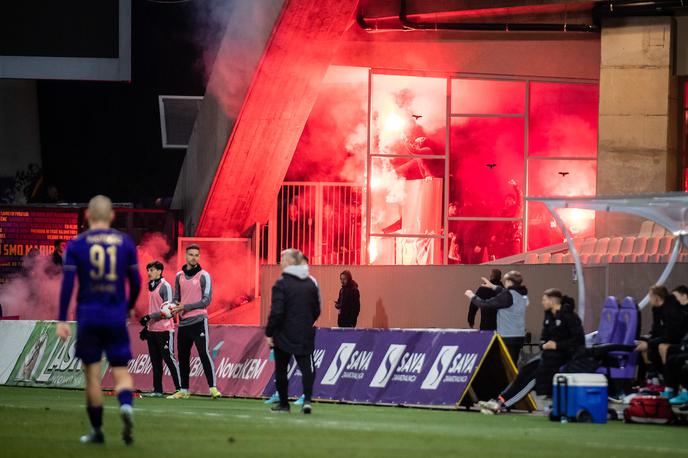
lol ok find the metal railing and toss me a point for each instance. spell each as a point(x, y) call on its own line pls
point(321, 219)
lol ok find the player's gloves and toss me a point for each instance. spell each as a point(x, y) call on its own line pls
point(144, 320)
point(143, 335)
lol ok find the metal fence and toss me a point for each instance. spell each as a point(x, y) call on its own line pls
point(321, 219)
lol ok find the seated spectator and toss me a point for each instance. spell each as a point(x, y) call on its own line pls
point(488, 317)
point(510, 302)
point(667, 328)
point(562, 336)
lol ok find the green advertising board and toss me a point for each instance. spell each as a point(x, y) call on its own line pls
point(47, 361)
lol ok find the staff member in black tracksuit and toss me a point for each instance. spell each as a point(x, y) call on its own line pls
point(290, 329)
point(158, 330)
point(667, 328)
point(488, 316)
point(349, 301)
point(562, 336)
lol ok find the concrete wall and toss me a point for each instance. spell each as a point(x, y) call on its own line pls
point(247, 33)
point(432, 296)
point(638, 115)
point(538, 55)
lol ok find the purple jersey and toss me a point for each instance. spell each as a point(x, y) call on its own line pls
point(102, 260)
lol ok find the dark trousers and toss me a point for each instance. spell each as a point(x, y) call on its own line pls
point(161, 347)
point(673, 370)
point(307, 368)
point(514, 345)
point(344, 321)
point(194, 334)
point(536, 374)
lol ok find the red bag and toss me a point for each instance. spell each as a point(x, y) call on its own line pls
point(649, 409)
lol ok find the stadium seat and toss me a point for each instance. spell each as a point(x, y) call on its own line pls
point(639, 247)
point(659, 231)
point(625, 250)
point(646, 228)
point(607, 326)
point(663, 250)
point(650, 249)
point(601, 247)
point(557, 258)
point(612, 247)
point(531, 258)
point(544, 258)
point(587, 246)
point(625, 363)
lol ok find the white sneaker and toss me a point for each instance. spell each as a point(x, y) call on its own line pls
point(491, 407)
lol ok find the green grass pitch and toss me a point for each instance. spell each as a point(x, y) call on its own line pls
point(48, 422)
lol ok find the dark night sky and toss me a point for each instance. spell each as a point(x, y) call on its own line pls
point(104, 137)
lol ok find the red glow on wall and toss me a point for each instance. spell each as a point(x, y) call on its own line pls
point(487, 167)
point(563, 120)
point(507, 139)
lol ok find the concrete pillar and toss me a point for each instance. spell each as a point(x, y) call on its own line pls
point(638, 121)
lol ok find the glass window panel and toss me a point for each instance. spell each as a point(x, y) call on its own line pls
point(563, 120)
point(486, 167)
point(410, 251)
point(406, 196)
point(470, 96)
point(555, 178)
point(475, 242)
point(544, 231)
point(409, 115)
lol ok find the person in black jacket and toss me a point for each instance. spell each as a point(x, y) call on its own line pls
point(290, 329)
point(488, 316)
point(349, 301)
point(667, 328)
point(562, 336)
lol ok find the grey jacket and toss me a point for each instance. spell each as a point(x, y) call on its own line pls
point(511, 306)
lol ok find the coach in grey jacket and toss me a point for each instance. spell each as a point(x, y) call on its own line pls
point(510, 302)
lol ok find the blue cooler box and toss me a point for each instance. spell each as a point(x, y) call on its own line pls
point(579, 397)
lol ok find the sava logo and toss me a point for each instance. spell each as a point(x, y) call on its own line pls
point(387, 366)
point(450, 366)
point(439, 367)
point(338, 363)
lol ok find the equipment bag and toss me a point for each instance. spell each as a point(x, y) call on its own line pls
point(649, 409)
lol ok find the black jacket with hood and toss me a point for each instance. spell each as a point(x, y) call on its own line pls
point(564, 328)
point(668, 324)
point(295, 309)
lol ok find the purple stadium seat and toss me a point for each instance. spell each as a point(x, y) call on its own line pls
point(626, 329)
point(608, 321)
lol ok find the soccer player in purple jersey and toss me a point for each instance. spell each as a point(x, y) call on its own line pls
point(102, 259)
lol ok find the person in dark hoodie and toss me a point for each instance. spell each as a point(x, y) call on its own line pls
point(510, 303)
point(488, 316)
point(349, 301)
point(562, 336)
point(667, 328)
point(291, 326)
